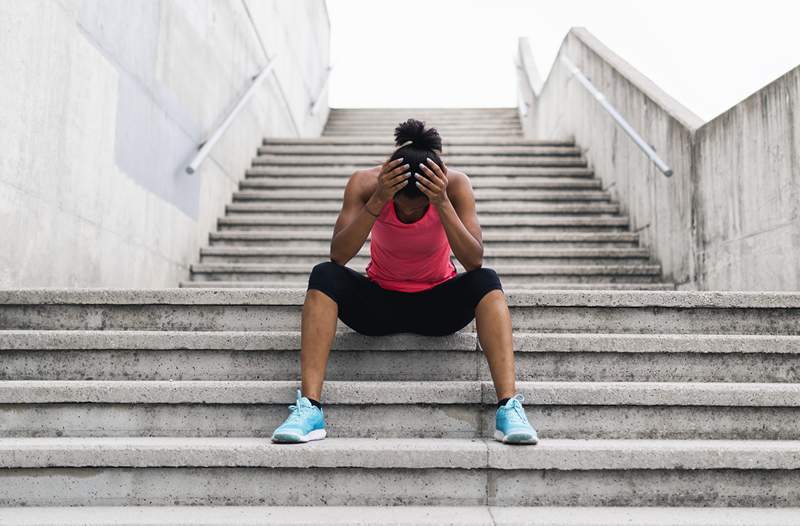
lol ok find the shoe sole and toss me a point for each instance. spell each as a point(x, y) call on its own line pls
point(514, 438)
point(317, 434)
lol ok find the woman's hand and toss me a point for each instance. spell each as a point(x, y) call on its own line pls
point(434, 184)
point(392, 178)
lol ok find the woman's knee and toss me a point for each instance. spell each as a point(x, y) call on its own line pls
point(326, 276)
point(486, 276)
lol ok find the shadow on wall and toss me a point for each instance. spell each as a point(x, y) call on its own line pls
point(93, 191)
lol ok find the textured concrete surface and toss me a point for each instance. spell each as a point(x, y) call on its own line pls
point(747, 168)
point(259, 355)
point(658, 207)
point(401, 516)
point(108, 471)
point(279, 309)
point(294, 296)
point(396, 453)
point(92, 174)
point(388, 392)
point(399, 409)
point(727, 218)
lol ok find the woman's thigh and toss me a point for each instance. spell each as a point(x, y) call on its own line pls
point(450, 306)
point(363, 305)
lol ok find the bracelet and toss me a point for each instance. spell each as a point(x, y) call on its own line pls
point(370, 213)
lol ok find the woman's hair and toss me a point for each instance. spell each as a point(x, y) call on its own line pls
point(416, 143)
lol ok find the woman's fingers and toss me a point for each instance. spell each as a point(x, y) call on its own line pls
point(431, 180)
point(434, 168)
point(388, 165)
point(430, 173)
point(399, 170)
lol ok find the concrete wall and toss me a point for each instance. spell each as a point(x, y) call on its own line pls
point(104, 103)
point(747, 167)
point(704, 238)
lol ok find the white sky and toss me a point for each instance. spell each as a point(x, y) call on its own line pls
point(708, 54)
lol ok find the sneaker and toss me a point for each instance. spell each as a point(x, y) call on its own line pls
point(306, 422)
point(511, 423)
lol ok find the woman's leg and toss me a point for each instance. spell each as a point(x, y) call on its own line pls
point(318, 330)
point(336, 291)
point(493, 322)
point(477, 294)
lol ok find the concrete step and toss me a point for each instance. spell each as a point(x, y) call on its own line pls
point(488, 223)
point(473, 128)
point(273, 355)
point(380, 151)
point(639, 312)
point(399, 515)
point(453, 472)
point(423, 113)
point(489, 208)
point(516, 183)
point(433, 120)
point(480, 176)
point(481, 195)
point(499, 239)
point(553, 285)
point(410, 409)
point(388, 142)
point(513, 219)
point(388, 132)
point(311, 255)
point(511, 275)
point(471, 161)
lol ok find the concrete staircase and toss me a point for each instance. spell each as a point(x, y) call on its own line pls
point(166, 398)
point(546, 221)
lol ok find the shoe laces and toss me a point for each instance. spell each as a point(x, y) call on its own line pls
point(297, 411)
point(516, 405)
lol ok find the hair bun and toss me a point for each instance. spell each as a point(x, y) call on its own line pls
point(415, 131)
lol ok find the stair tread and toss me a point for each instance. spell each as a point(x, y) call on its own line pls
point(343, 392)
point(411, 453)
point(399, 515)
point(347, 339)
point(295, 296)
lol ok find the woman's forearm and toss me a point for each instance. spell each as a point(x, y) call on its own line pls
point(466, 248)
point(349, 240)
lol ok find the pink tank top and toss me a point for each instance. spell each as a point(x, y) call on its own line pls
point(409, 257)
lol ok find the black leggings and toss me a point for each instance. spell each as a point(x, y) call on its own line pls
point(369, 309)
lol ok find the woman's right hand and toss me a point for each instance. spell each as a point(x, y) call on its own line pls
point(392, 178)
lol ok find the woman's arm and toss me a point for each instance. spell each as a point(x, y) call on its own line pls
point(362, 202)
point(451, 193)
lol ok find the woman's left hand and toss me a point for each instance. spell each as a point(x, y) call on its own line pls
point(434, 182)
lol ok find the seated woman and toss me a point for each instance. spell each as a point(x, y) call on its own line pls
point(411, 283)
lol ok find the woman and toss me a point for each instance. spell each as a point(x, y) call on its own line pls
point(411, 283)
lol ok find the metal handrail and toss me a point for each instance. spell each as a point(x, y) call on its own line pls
point(209, 143)
point(318, 101)
point(640, 142)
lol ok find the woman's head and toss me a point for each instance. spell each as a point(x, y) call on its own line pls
point(416, 144)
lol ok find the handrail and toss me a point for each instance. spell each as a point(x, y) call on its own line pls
point(209, 143)
point(640, 142)
point(316, 103)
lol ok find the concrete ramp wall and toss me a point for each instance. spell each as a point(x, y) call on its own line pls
point(104, 104)
point(728, 217)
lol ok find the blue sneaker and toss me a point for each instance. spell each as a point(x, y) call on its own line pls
point(306, 422)
point(511, 423)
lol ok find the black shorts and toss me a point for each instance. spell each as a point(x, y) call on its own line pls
point(369, 309)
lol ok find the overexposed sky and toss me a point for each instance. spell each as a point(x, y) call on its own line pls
point(708, 54)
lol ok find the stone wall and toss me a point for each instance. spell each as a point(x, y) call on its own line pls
point(728, 216)
point(104, 104)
